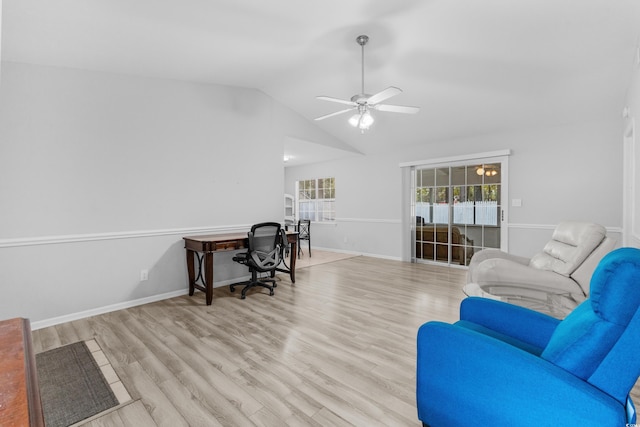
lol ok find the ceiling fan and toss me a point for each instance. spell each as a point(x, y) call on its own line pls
point(363, 102)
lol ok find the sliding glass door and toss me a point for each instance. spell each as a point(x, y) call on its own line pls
point(458, 211)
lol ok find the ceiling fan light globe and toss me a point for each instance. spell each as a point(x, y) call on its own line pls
point(366, 121)
point(354, 120)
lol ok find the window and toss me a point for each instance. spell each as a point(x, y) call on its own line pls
point(317, 199)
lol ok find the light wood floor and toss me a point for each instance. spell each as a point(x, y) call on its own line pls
point(337, 348)
point(319, 257)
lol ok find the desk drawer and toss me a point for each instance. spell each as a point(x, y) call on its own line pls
point(229, 245)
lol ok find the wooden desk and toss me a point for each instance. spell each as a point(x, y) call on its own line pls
point(202, 248)
point(19, 393)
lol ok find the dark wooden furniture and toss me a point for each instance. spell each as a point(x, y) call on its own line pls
point(304, 233)
point(202, 248)
point(20, 403)
point(434, 240)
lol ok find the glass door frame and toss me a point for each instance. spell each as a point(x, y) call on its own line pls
point(409, 180)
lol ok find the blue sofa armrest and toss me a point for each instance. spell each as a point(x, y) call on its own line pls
point(466, 377)
point(517, 322)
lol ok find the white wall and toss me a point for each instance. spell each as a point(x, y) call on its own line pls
point(0, 40)
point(101, 175)
point(102, 153)
point(560, 173)
point(367, 204)
point(632, 160)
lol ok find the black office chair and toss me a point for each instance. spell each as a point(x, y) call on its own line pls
point(304, 233)
point(263, 256)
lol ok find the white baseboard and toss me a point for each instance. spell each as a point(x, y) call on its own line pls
point(147, 300)
point(342, 251)
point(106, 309)
point(126, 304)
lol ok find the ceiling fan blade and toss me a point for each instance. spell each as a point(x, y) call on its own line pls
point(334, 114)
point(338, 100)
point(396, 108)
point(384, 94)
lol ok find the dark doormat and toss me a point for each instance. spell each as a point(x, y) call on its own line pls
point(72, 386)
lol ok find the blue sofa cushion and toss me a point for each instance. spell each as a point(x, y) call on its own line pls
point(529, 348)
point(584, 338)
point(581, 341)
point(615, 287)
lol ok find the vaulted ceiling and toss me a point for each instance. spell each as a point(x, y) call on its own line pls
point(474, 67)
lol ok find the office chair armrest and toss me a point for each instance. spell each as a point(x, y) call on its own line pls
point(464, 376)
point(518, 322)
point(241, 257)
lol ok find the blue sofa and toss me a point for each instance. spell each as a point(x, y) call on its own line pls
point(505, 365)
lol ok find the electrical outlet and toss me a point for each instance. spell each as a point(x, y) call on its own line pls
point(144, 275)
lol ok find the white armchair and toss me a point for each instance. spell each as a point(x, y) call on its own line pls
point(555, 280)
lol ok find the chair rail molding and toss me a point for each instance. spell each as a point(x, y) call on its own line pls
point(553, 226)
point(370, 220)
point(135, 234)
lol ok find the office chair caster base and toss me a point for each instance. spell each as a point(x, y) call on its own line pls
point(244, 291)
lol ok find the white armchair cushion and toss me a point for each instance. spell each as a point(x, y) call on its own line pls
point(475, 274)
point(557, 278)
point(500, 272)
point(570, 245)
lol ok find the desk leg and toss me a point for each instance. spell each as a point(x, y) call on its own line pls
point(208, 276)
point(292, 261)
point(191, 272)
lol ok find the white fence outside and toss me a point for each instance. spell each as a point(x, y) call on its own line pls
point(487, 213)
point(478, 213)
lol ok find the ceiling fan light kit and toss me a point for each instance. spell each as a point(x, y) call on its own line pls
point(363, 103)
point(362, 121)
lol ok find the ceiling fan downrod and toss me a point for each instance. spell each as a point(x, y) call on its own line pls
point(362, 40)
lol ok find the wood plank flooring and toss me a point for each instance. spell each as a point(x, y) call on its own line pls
point(335, 348)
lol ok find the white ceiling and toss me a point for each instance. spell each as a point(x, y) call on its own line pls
point(474, 67)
